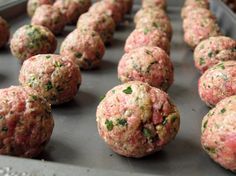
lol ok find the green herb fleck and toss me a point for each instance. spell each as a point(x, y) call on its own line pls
point(205, 124)
point(221, 65)
point(113, 91)
point(5, 129)
point(147, 133)
point(1, 117)
point(31, 81)
point(210, 150)
point(102, 97)
point(128, 90)
point(34, 97)
point(48, 57)
point(109, 124)
point(210, 54)
point(173, 118)
point(58, 64)
point(78, 55)
point(122, 122)
point(202, 61)
point(145, 31)
point(223, 110)
point(164, 121)
point(48, 86)
point(148, 52)
point(156, 25)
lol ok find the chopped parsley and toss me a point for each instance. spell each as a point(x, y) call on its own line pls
point(122, 122)
point(113, 91)
point(202, 61)
point(210, 54)
point(31, 81)
point(34, 97)
point(48, 57)
point(78, 55)
point(58, 64)
point(1, 117)
point(156, 25)
point(164, 121)
point(5, 129)
point(205, 124)
point(147, 133)
point(145, 31)
point(173, 118)
point(48, 86)
point(221, 65)
point(211, 150)
point(102, 97)
point(128, 90)
point(223, 110)
point(109, 124)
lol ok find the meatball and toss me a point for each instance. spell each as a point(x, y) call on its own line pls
point(154, 3)
point(147, 64)
point(147, 37)
point(103, 24)
point(50, 17)
point(57, 78)
point(4, 32)
point(199, 30)
point(213, 50)
point(150, 13)
point(197, 3)
point(156, 23)
point(32, 5)
point(72, 9)
point(26, 122)
point(218, 82)
point(193, 12)
point(219, 133)
point(30, 40)
point(109, 7)
point(136, 120)
point(85, 47)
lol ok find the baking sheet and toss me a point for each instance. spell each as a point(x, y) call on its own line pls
point(75, 140)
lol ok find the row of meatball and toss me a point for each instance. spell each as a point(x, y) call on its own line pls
point(147, 49)
point(215, 58)
point(26, 121)
point(136, 119)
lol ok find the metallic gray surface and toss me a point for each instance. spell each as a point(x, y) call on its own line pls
point(75, 139)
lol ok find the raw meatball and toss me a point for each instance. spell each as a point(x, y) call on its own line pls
point(85, 47)
point(213, 50)
point(26, 122)
point(55, 77)
point(198, 12)
point(150, 13)
point(197, 3)
point(72, 9)
point(218, 82)
point(147, 64)
point(30, 40)
point(4, 32)
point(199, 30)
point(154, 3)
point(136, 120)
point(103, 24)
point(32, 5)
point(109, 7)
point(156, 23)
point(219, 133)
point(50, 17)
point(147, 37)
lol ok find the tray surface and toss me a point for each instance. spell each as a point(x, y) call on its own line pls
point(75, 140)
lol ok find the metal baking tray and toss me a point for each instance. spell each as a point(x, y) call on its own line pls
point(76, 148)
